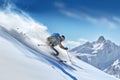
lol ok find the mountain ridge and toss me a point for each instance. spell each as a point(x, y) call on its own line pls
point(101, 53)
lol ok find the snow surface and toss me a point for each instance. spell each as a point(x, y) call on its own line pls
point(22, 59)
point(114, 69)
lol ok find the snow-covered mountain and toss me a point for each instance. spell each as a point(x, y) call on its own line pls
point(22, 59)
point(101, 54)
point(114, 69)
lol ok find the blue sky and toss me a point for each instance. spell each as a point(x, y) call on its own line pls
point(78, 20)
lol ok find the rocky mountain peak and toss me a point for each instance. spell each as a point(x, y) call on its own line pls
point(101, 39)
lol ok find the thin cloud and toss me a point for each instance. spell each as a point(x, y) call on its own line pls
point(108, 23)
point(82, 41)
point(59, 4)
point(70, 14)
point(73, 44)
point(116, 19)
point(90, 19)
point(78, 14)
point(102, 21)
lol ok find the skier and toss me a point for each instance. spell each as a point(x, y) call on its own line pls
point(54, 40)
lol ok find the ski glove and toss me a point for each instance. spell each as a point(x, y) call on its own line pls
point(66, 48)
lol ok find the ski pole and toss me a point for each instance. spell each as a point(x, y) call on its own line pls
point(68, 55)
point(42, 45)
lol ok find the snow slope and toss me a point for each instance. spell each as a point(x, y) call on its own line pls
point(16, 64)
point(22, 59)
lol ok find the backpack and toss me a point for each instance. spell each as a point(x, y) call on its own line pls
point(56, 36)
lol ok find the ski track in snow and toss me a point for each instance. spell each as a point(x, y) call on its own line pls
point(52, 62)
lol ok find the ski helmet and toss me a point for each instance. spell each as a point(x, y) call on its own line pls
point(62, 36)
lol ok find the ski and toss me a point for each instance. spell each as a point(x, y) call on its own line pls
point(59, 59)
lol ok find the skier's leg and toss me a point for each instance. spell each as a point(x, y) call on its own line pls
point(57, 53)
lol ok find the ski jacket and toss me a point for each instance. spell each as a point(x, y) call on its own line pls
point(55, 39)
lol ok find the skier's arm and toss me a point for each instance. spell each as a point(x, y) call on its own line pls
point(61, 46)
